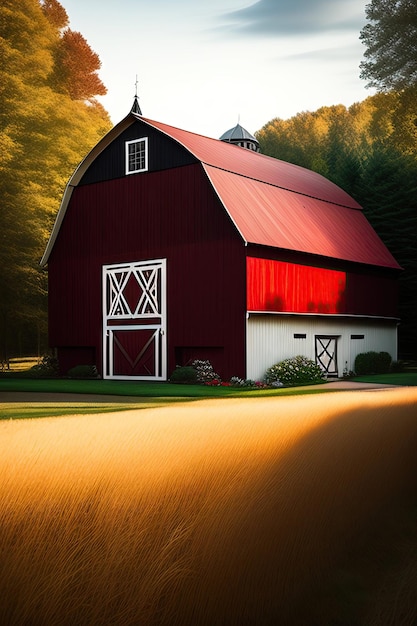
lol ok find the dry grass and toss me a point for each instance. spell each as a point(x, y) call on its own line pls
point(279, 511)
point(19, 364)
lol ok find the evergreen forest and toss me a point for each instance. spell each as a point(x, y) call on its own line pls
point(370, 150)
point(50, 119)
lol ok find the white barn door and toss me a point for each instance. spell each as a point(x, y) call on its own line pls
point(134, 320)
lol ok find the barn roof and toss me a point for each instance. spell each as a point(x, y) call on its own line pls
point(271, 202)
point(279, 204)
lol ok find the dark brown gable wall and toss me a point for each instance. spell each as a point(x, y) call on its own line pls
point(163, 153)
point(170, 214)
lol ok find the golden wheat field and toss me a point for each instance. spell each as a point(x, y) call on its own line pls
point(267, 511)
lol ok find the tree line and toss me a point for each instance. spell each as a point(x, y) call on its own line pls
point(370, 148)
point(49, 119)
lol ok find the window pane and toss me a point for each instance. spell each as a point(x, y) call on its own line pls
point(136, 156)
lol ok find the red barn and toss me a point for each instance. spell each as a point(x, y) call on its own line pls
point(170, 246)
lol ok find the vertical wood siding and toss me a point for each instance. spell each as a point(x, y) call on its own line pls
point(293, 286)
point(171, 214)
point(270, 339)
point(282, 286)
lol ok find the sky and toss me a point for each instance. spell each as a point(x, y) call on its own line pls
point(205, 65)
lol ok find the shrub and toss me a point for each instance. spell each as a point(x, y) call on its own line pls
point(205, 371)
point(184, 374)
point(46, 368)
point(198, 372)
point(364, 363)
point(397, 366)
point(298, 370)
point(383, 362)
point(235, 381)
point(83, 371)
point(372, 363)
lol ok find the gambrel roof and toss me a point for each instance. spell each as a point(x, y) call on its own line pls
point(271, 202)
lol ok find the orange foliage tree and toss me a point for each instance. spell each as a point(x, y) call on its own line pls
point(46, 127)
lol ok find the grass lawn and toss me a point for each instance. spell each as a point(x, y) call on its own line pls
point(139, 389)
point(30, 410)
point(144, 394)
point(141, 395)
point(403, 379)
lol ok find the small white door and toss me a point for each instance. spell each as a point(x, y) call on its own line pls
point(326, 354)
point(134, 320)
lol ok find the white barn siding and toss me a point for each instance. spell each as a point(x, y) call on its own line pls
point(270, 339)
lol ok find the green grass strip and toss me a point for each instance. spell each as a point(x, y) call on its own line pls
point(134, 389)
point(29, 410)
point(403, 379)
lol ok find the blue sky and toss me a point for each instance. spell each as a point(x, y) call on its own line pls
point(204, 65)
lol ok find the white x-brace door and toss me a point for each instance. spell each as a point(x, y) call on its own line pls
point(134, 320)
point(326, 354)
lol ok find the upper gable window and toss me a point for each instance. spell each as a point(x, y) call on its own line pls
point(137, 155)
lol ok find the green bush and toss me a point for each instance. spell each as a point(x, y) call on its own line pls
point(46, 368)
point(364, 363)
point(83, 371)
point(397, 367)
point(383, 363)
point(184, 374)
point(298, 370)
point(205, 371)
point(372, 363)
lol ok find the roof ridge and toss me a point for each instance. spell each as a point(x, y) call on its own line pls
point(165, 128)
point(265, 182)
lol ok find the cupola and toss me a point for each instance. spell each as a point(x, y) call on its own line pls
point(241, 137)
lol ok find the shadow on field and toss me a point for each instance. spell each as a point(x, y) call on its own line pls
point(289, 511)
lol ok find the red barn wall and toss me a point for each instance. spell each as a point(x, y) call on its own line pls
point(290, 287)
point(170, 214)
point(323, 286)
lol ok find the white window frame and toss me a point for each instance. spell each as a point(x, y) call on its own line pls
point(143, 140)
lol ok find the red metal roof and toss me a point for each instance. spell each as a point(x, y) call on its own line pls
point(271, 202)
point(257, 166)
point(274, 203)
point(272, 216)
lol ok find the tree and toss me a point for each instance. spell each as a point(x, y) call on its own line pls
point(76, 67)
point(369, 150)
point(44, 133)
point(388, 193)
point(391, 40)
point(55, 13)
point(391, 168)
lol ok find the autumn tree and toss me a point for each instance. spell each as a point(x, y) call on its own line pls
point(44, 133)
point(76, 67)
